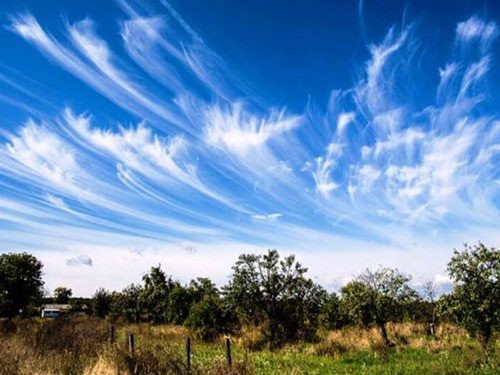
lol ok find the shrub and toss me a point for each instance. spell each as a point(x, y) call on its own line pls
point(209, 318)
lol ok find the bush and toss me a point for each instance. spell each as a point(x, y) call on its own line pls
point(7, 327)
point(209, 318)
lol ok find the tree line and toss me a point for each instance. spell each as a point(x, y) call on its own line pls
point(274, 293)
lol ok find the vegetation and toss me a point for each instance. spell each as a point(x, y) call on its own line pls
point(265, 289)
point(280, 321)
point(475, 300)
point(62, 295)
point(101, 303)
point(21, 285)
point(377, 298)
point(80, 346)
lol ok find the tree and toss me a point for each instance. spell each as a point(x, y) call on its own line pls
point(181, 298)
point(126, 303)
point(21, 285)
point(267, 289)
point(430, 293)
point(180, 301)
point(153, 298)
point(101, 302)
point(475, 300)
point(209, 315)
point(62, 295)
point(331, 316)
point(377, 298)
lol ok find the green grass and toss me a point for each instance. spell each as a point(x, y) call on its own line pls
point(409, 361)
point(297, 359)
point(76, 346)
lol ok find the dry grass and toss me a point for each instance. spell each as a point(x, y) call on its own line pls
point(80, 346)
point(403, 335)
point(47, 347)
point(252, 338)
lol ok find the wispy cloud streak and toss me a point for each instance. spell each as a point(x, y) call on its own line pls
point(203, 162)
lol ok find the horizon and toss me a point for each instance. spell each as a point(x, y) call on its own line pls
point(351, 134)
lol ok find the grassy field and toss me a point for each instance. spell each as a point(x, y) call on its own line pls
point(81, 347)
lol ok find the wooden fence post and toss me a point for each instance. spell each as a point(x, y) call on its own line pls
point(131, 343)
point(188, 353)
point(112, 335)
point(228, 352)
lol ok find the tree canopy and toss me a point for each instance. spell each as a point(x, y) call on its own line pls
point(377, 297)
point(475, 300)
point(265, 288)
point(21, 285)
point(274, 295)
point(62, 295)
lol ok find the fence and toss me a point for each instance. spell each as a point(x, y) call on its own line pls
point(131, 347)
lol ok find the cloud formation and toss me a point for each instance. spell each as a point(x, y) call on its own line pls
point(208, 165)
point(81, 260)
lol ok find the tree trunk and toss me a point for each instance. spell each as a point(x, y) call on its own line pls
point(432, 325)
point(272, 335)
point(485, 336)
point(385, 337)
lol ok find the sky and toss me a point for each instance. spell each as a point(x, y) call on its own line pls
point(185, 133)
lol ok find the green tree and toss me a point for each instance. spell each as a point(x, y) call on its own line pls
point(126, 303)
point(181, 298)
point(377, 298)
point(62, 295)
point(21, 285)
point(475, 300)
point(154, 295)
point(267, 289)
point(331, 316)
point(209, 315)
point(180, 301)
point(101, 302)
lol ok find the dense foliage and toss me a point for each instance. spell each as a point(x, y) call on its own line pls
point(275, 296)
point(21, 285)
point(377, 298)
point(475, 300)
point(62, 295)
point(265, 289)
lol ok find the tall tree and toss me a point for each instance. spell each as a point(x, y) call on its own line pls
point(429, 292)
point(153, 298)
point(126, 303)
point(475, 300)
point(21, 285)
point(331, 316)
point(377, 297)
point(62, 295)
point(209, 314)
point(267, 289)
point(101, 302)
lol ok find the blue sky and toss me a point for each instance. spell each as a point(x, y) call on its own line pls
point(186, 133)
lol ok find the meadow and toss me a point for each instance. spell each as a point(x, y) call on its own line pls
point(82, 346)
